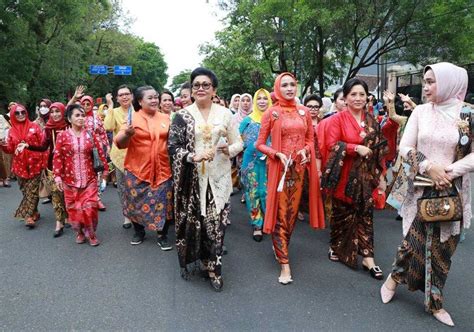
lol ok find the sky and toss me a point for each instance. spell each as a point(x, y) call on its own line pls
point(178, 27)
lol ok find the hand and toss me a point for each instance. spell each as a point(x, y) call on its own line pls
point(130, 131)
point(304, 158)
point(3, 141)
point(405, 98)
point(79, 92)
point(104, 176)
point(207, 155)
point(59, 184)
point(364, 151)
point(439, 176)
point(107, 150)
point(371, 98)
point(382, 183)
point(20, 147)
point(224, 150)
point(108, 98)
point(388, 97)
point(282, 157)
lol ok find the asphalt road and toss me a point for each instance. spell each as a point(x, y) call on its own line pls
point(56, 284)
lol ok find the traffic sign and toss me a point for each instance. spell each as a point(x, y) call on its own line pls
point(122, 70)
point(98, 70)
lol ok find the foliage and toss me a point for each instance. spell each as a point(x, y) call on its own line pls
point(48, 45)
point(179, 80)
point(323, 40)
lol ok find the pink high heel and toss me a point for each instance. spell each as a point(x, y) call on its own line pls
point(385, 293)
point(444, 317)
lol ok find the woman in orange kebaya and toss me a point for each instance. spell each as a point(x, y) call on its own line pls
point(292, 148)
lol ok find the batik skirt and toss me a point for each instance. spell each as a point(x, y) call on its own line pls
point(147, 206)
point(57, 199)
point(29, 204)
point(120, 178)
point(254, 180)
point(423, 262)
point(82, 207)
point(352, 231)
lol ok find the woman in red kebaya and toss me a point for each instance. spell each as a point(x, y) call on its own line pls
point(75, 175)
point(292, 148)
point(354, 169)
point(26, 165)
point(56, 124)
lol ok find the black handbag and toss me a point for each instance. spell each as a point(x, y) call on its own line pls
point(97, 163)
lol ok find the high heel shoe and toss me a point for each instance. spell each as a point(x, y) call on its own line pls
point(216, 283)
point(375, 272)
point(386, 293)
point(444, 317)
point(285, 280)
point(58, 232)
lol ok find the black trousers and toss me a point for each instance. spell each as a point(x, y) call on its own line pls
point(139, 229)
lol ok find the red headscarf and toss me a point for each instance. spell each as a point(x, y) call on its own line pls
point(91, 100)
point(19, 130)
point(61, 124)
point(280, 100)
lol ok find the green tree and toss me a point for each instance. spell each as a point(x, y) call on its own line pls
point(179, 80)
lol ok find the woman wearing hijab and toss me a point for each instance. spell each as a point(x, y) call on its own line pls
point(201, 142)
point(234, 103)
point(355, 150)
point(74, 174)
point(292, 148)
point(26, 165)
point(254, 169)
point(55, 125)
point(437, 143)
point(147, 177)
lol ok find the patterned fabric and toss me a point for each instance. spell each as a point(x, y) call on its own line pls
point(145, 205)
point(3, 166)
point(82, 207)
point(423, 262)
point(95, 125)
point(29, 203)
point(119, 178)
point(288, 203)
point(57, 199)
point(352, 231)
point(253, 173)
point(72, 160)
point(197, 237)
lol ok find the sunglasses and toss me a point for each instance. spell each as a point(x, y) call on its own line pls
point(204, 85)
point(20, 112)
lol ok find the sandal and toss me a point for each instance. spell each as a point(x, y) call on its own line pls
point(257, 235)
point(375, 272)
point(6, 183)
point(332, 256)
point(30, 223)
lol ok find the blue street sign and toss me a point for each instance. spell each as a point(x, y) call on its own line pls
point(122, 70)
point(98, 70)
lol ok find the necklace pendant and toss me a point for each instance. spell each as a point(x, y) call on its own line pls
point(362, 124)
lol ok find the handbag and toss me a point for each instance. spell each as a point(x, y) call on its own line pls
point(97, 163)
point(440, 206)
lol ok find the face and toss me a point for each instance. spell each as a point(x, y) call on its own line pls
point(216, 100)
point(77, 118)
point(288, 87)
point(124, 97)
point(186, 97)
point(235, 103)
point(340, 102)
point(166, 103)
point(150, 101)
point(314, 107)
point(43, 104)
point(262, 101)
point(430, 88)
point(245, 103)
point(20, 114)
point(87, 106)
point(202, 88)
point(56, 114)
point(357, 98)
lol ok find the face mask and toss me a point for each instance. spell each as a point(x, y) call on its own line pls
point(44, 110)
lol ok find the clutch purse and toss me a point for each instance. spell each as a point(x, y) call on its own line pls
point(440, 206)
point(97, 163)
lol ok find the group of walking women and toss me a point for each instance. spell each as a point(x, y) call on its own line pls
point(291, 159)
